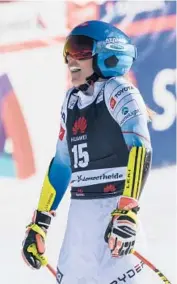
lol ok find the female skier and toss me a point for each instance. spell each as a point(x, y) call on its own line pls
point(104, 152)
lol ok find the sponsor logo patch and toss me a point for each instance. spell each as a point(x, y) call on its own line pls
point(80, 192)
point(110, 175)
point(72, 101)
point(128, 111)
point(79, 126)
point(59, 276)
point(63, 116)
point(116, 40)
point(123, 90)
point(117, 43)
point(82, 178)
point(131, 273)
point(109, 188)
point(61, 133)
point(115, 46)
point(112, 103)
point(125, 110)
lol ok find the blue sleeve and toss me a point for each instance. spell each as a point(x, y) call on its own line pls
point(60, 168)
point(59, 176)
point(136, 133)
point(128, 109)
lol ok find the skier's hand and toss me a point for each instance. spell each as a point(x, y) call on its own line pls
point(34, 242)
point(121, 231)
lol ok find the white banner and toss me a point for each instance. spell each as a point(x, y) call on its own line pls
point(90, 177)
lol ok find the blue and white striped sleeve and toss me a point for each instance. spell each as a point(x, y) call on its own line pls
point(128, 109)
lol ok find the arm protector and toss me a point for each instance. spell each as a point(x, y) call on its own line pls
point(54, 186)
point(139, 164)
point(47, 197)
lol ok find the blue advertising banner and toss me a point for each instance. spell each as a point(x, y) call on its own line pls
point(152, 27)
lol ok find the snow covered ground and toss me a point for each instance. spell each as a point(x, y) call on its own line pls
point(18, 200)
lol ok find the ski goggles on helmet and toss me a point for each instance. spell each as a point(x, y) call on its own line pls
point(79, 47)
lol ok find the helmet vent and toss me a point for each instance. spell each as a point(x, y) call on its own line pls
point(111, 61)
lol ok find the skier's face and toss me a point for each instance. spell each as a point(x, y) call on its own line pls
point(79, 70)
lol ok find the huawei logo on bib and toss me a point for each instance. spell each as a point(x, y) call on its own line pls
point(80, 125)
point(110, 188)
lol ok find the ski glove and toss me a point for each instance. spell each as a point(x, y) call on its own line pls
point(121, 231)
point(34, 242)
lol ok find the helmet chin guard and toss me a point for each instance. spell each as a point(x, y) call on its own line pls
point(89, 81)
